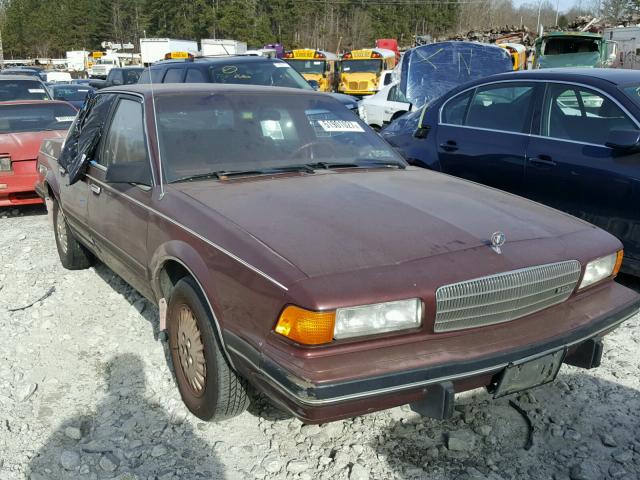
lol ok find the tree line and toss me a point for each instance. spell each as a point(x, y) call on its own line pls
point(48, 28)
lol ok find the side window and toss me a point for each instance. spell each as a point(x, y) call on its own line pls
point(125, 140)
point(581, 115)
point(174, 75)
point(455, 110)
point(195, 76)
point(116, 78)
point(501, 107)
point(396, 95)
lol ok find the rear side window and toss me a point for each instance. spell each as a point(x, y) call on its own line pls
point(581, 115)
point(174, 75)
point(455, 110)
point(125, 140)
point(196, 76)
point(502, 107)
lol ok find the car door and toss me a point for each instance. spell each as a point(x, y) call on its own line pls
point(569, 166)
point(118, 215)
point(483, 133)
point(396, 104)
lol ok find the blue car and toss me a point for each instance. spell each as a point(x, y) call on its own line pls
point(568, 138)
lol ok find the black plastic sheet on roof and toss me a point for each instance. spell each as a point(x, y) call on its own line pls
point(429, 71)
point(84, 135)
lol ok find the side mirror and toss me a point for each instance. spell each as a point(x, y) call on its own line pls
point(314, 84)
point(138, 173)
point(628, 140)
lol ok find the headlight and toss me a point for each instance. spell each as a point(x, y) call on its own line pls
point(601, 268)
point(378, 318)
point(316, 328)
point(5, 164)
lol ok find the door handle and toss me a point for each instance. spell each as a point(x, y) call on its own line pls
point(449, 146)
point(95, 189)
point(542, 161)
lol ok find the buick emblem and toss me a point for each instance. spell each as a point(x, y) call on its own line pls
point(497, 240)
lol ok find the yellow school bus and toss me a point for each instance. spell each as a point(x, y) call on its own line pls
point(518, 54)
point(360, 70)
point(316, 65)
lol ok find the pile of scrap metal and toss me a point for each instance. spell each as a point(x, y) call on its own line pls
point(505, 34)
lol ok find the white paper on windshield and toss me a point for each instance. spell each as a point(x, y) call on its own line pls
point(317, 63)
point(36, 90)
point(346, 69)
point(282, 65)
point(340, 126)
point(65, 119)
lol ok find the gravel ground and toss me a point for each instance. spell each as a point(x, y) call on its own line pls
point(86, 393)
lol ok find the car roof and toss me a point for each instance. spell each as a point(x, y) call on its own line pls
point(20, 77)
point(572, 34)
point(69, 85)
point(176, 88)
point(213, 60)
point(34, 102)
point(615, 76)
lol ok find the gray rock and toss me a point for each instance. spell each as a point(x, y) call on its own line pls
point(272, 464)
point(26, 391)
point(358, 472)
point(109, 462)
point(617, 471)
point(70, 460)
point(297, 466)
point(461, 440)
point(623, 456)
point(73, 433)
point(608, 440)
point(158, 451)
point(585, 471)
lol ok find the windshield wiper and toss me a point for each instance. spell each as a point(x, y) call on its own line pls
point(359, 163)
point(224, 174)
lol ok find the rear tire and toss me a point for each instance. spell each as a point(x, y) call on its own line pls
point(73, 255)
point(210, 389)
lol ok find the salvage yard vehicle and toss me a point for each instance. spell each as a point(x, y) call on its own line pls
point(429, 71)
point(23, 127)
point(118, 76)
point(234, 70)
point(567, 138)
point(74, 94)
point(315, 66)
point(22, 87)
point(574, 49)
point(293, 249)
point(360, 70)
point(518, 54)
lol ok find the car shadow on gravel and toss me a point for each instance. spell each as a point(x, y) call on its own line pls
point(23, 211)
point(126, 437)
point(584, 427)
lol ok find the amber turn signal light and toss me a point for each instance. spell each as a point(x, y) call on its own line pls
point(306, 326)
point(619, 257)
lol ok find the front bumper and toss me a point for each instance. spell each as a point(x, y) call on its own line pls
point(321, 401)
point(19, 190)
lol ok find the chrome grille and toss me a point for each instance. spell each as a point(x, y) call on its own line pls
point(504, 296)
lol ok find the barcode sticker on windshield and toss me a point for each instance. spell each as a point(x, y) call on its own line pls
point(340, 126)
point(36, 90)
point(282, 65)
point(64, 119)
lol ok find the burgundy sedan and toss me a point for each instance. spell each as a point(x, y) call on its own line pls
point(289, 247)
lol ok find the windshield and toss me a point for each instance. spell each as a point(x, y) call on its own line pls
point(430, 71)
point(35, 118)
point(233, 132)
point(106, 61)
point(70, 93)
point(22, 90)
point(357, 66)
point(567, 45)
point(276, 74)
point(307, 66)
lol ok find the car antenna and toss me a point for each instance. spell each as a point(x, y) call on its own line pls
point(155, 125)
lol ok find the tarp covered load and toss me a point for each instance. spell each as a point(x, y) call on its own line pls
point(84, 135)
point(429, 71)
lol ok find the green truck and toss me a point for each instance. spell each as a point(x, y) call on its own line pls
point(574, 49)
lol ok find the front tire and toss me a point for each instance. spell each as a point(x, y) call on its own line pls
point(73, 255)
point(210, 389)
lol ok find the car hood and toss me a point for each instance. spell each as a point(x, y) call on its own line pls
point(25, 145)
point(327, 223)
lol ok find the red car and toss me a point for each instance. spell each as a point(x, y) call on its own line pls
point(23, 126)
